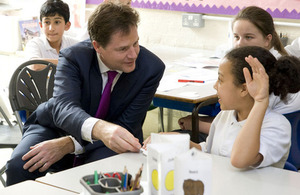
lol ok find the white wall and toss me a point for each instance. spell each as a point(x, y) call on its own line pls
point(156, 27)
point(10, 14)
point(165, 28)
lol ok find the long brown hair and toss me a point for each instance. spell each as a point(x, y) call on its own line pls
point(264, 22)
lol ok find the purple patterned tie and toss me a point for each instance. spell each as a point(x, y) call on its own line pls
point(105, 98)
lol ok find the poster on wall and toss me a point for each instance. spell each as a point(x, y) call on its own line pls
point(77, 12)
point(29, 29)
point(289, 9)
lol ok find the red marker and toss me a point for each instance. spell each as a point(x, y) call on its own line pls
point(190, 81)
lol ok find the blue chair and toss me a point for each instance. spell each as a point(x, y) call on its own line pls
point(294, 156)
point(290, 166)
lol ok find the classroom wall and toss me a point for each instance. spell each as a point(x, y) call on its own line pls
point(165, 28)
point(156, 27)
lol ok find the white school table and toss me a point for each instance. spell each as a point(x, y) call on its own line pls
point(69, 179)
point(34, 188)
point(225, 178)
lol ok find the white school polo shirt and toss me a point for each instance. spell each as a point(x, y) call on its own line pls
point(291, 104)
point(39, 47)
point(294, 48)
point(274, 139)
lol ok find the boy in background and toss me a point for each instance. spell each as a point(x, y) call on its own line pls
point(54, 21)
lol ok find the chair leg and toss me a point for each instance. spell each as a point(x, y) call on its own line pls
point(2, 171)
point(170, 119)
point(19, 120)
point(5, 117)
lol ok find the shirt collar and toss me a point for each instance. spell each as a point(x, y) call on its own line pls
point(234, 116)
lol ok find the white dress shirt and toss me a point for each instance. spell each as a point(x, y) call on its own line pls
point(87, 126)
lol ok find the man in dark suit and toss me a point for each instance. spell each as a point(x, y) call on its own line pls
point(79, 82)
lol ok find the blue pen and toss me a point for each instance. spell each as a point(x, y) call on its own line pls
point(125, 182)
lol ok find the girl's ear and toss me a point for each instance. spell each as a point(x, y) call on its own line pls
point(244, 90)
point(268, 41)
point(41, 25)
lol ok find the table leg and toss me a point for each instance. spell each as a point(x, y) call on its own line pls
point(195, 125)
point(195, 120)
point(161, 112)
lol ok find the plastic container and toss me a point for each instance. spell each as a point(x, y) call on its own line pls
point(111, 185)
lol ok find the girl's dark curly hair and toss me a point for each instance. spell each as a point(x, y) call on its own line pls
point(284, 73)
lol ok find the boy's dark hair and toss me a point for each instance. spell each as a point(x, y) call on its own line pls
point(109, 18)
point(264, 22)
point(284, 73)
point(53, 7)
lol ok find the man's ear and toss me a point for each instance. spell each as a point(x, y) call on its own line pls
point(67, 26)
point(244, 90)
point(97, 46)
point(41, 24)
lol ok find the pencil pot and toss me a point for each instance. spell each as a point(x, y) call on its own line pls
point(106, 183)
point(109, 184)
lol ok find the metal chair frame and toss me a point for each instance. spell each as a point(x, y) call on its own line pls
point(27, 89)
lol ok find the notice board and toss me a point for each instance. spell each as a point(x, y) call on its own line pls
point(289, 9)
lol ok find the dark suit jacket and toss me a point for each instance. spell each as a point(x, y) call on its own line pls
point(78, 86)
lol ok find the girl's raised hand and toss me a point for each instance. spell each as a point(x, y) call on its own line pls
point(258, 86)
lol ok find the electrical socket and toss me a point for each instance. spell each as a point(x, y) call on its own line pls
point(192, 20)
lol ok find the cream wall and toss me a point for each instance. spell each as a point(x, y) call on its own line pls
point(165, 28)
point(156, 27)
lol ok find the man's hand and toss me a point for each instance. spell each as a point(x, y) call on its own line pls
point(115, 137)
point(43, 155)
